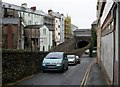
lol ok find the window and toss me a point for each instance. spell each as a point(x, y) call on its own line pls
point(44, 31)
point(23, 13)
point(29, 22)
point(58, 26)
point(58, 33)
point(36, 23)
point(28, 14)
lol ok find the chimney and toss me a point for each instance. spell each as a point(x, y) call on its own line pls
point(50, 12)
point(24, 5)
point(62, 14)
point(33, 8)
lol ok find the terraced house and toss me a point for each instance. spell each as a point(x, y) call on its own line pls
point(58, 22)
point(21, 26)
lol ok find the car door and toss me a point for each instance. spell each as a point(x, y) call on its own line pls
point(65, 59)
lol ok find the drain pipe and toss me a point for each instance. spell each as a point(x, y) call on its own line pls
point(114, 19)
point(118, 7)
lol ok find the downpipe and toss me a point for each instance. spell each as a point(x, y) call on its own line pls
point(118, 6)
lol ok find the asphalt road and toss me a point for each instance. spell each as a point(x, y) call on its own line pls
point(72, 76)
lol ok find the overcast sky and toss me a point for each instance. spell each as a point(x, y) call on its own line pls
point(82, 12)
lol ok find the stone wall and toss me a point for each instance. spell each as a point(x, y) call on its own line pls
point(67, 46)
point(17, 64)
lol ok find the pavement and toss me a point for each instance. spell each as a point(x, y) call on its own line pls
point(95, 77)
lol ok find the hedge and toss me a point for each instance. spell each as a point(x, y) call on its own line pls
point(17, 64)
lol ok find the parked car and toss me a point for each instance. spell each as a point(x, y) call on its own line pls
point(55, 61)
point(87, 51)
point(72, 59)
point(78, 59)
point(94, 50)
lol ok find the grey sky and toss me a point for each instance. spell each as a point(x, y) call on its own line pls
point(82, 12)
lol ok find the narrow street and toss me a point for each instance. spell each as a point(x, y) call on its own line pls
point(72, 76)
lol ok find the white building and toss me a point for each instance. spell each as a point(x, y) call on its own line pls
point(62, 28)
point(45, 38)
point(57, 31)
point(59, 26)
point(31, 16)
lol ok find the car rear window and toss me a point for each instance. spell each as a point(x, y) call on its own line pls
point(52, 58)
point(70, 56)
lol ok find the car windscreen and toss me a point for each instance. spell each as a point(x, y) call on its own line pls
point(71, 57)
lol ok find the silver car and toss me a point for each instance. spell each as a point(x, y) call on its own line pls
point(78, 59)
point(72, 59)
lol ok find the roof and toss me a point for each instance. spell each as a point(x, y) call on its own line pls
point(56, 14)
point(45, 14)
point(78, 30)
point(27, 10)
point(34, 26)
point(95, 22)
point(82, 32)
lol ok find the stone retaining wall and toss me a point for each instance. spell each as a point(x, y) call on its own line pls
point(18, 64)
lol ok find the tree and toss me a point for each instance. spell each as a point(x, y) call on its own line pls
point(93, 40)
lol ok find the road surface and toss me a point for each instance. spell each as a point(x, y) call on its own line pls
point(73, 76)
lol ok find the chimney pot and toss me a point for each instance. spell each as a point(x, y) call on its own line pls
point(33, 8)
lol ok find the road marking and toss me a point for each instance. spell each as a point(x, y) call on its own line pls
point(83, 60)
point(85, 78)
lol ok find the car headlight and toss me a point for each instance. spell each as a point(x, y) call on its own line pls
point(43, 64)
point(59, 64)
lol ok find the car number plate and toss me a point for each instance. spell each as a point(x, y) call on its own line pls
point(51, 66)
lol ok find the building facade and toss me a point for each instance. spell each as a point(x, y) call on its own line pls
point(20, 25)
point(108, 48)
point(45, 38)
point(58, 27)
point(11, 36)
point(62, 27)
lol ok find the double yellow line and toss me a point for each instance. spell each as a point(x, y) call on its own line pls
point(85, 78)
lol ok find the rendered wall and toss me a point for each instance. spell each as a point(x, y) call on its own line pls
point(107, 54)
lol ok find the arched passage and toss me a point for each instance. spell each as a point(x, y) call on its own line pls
point(82, 44)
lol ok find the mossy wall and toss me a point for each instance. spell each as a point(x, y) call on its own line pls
point(17, 64)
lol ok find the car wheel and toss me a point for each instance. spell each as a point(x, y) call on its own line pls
point(78, 62)
point(44, 71)
point(67, 68)
point(62, 68)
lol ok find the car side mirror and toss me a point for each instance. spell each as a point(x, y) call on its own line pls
point(65, 58)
